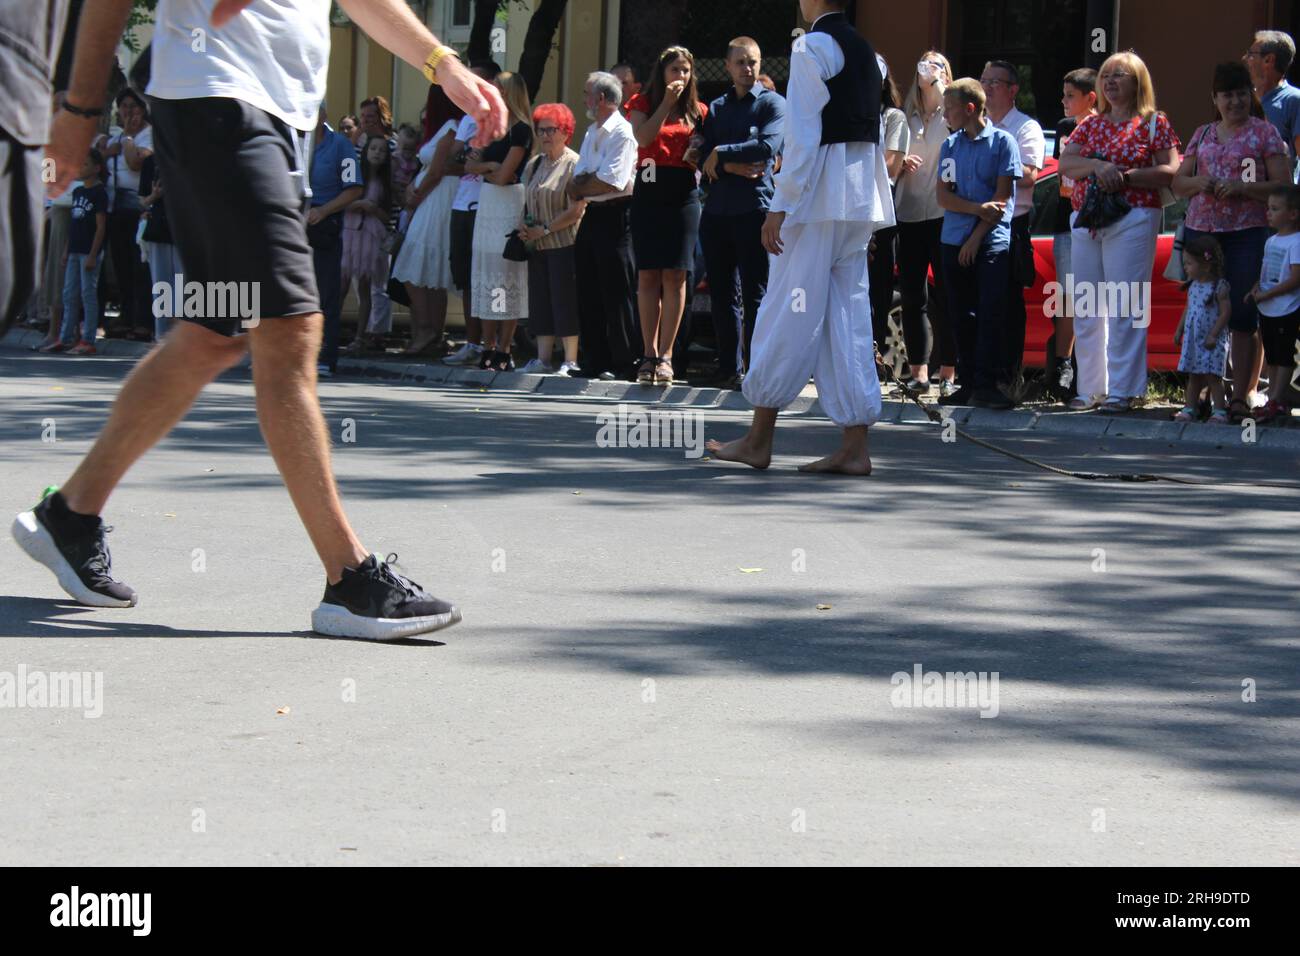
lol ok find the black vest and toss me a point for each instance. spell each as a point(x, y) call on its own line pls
point(853, 113)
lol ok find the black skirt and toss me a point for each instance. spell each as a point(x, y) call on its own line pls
point(665, 219)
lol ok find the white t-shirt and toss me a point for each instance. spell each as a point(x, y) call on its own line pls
point(274, 55)
point(470, 186)
point(1280, 254)
point(1033, 147)
point(120, 175)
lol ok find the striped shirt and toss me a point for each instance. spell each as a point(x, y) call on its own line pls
point(544, 198)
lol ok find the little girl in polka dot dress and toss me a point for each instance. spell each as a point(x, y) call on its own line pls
point(1203, 330)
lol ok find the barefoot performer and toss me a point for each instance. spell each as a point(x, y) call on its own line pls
point(831, 194)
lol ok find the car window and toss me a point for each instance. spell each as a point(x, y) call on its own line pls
point(1047, 194)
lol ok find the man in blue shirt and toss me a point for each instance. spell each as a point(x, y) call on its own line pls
point(336, 183)
point(978, 168)
point(742, 136)
point(1268, 59)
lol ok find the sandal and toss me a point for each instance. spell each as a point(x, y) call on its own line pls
point(663, 374)
point(1082, 403)
point(1220, 416)
point(1115, 405)
point(1238, 411)
point(1187, 414)
point(645, 375)
point(1274, 409)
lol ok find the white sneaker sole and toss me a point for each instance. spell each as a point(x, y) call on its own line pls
point(336, 621)
point(40, 547)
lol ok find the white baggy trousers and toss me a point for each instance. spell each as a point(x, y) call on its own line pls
point(815, 321)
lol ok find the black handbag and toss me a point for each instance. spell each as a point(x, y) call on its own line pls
point(1100, 208)
point(515, 250)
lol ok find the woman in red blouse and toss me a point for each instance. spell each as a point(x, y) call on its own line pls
point(665, 205)
point(1131, 148)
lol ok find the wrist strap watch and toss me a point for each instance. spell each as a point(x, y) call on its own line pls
point(435, 58)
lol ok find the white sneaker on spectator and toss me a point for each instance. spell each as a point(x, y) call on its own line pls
point(467, 354)
point(537, 367)
point(568, 369)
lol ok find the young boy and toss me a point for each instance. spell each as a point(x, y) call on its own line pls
point(86, 237)
point(831, 194)
point(1277, 296)
point(978, 168)
point(1079, 99)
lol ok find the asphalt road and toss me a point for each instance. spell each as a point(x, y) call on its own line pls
point(663, 660)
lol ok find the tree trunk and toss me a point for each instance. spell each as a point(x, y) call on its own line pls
point(537, 43)
point(480, 34)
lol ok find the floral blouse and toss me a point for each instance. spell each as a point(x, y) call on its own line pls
point(1248, 148)
point(1128, 146)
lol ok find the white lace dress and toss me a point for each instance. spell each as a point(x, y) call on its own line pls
point(425, 257)
point(498, 287)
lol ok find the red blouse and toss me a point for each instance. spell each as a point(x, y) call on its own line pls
point(673, 140)
point(1128, 146)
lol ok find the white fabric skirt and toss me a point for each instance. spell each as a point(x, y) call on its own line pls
point(498, 287)
point(425, 257)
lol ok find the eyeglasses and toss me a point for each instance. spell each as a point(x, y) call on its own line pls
point(1115, 76)
point(1255, 54)
point(547, 130)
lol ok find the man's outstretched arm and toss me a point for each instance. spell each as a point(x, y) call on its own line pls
point(98, 32)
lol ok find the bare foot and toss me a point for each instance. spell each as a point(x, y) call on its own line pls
point(840, 463)
point(742, 451)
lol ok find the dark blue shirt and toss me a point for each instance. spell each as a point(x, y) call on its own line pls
point(974, 166)
point(334, 168)
point(87, 204)
point(746, 129)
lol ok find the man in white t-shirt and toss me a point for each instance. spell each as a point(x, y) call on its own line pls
point(232, 127)
point(1001, 82)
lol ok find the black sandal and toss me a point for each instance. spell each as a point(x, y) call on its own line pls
point(1237, 417)
point(645, 375)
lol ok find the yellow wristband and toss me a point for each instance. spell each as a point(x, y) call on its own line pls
point(436, 57)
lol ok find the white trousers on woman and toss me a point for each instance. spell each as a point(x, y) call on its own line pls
point(815, 321)
point(1114, 267)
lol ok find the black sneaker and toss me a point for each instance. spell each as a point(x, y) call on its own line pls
point(991, 398)
point(73, 547)
point(376, 603)
point(960, 397)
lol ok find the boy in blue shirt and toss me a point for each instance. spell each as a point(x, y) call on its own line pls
point(82, 260)
point(978, 168)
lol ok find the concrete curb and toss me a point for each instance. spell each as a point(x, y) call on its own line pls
point(894, 412)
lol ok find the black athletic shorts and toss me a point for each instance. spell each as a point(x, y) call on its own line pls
point(462, 246)
point(1279, 334)
point(21, 195)
point(236, 180)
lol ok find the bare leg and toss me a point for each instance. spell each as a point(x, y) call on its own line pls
point(436, 311)
point(473, 325)
point(571, 349)
point(506, 335)
point(1245, 376)
point(545, 347)
point(755, 449)
point(647, 302)
point(851, 459)
point(419, 318)
point(284, 377)
point(674, 300)
point(154, 397)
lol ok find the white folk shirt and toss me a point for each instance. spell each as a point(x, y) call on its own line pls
point(1033, 147)
point(837, 182)
point(274, 55)
point(609, 151)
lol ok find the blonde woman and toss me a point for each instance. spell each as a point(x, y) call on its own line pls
point(927, 329)
point(1131, 148)
point(498, 286)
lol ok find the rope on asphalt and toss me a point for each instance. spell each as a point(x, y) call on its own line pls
point(937, 418)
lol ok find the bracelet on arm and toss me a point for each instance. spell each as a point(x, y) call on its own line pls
point(435, 58)
point(79, 110)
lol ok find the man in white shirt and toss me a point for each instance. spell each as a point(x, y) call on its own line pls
point(603, 176)
point(1001, 82)
point(232, 126)
point(831, 194)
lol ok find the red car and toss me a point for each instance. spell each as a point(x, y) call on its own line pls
point(1167, 299)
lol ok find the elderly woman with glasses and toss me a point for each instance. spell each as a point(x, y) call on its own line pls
point(550, 228)
point(1131, 148)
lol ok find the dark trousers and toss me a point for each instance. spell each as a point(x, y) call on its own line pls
point(927, 324)
point(326, 239)
point(131, 274)
point(1021, 270)
point(977, 298)
point(603, 263)
point(734, 244)
point(881, 276)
